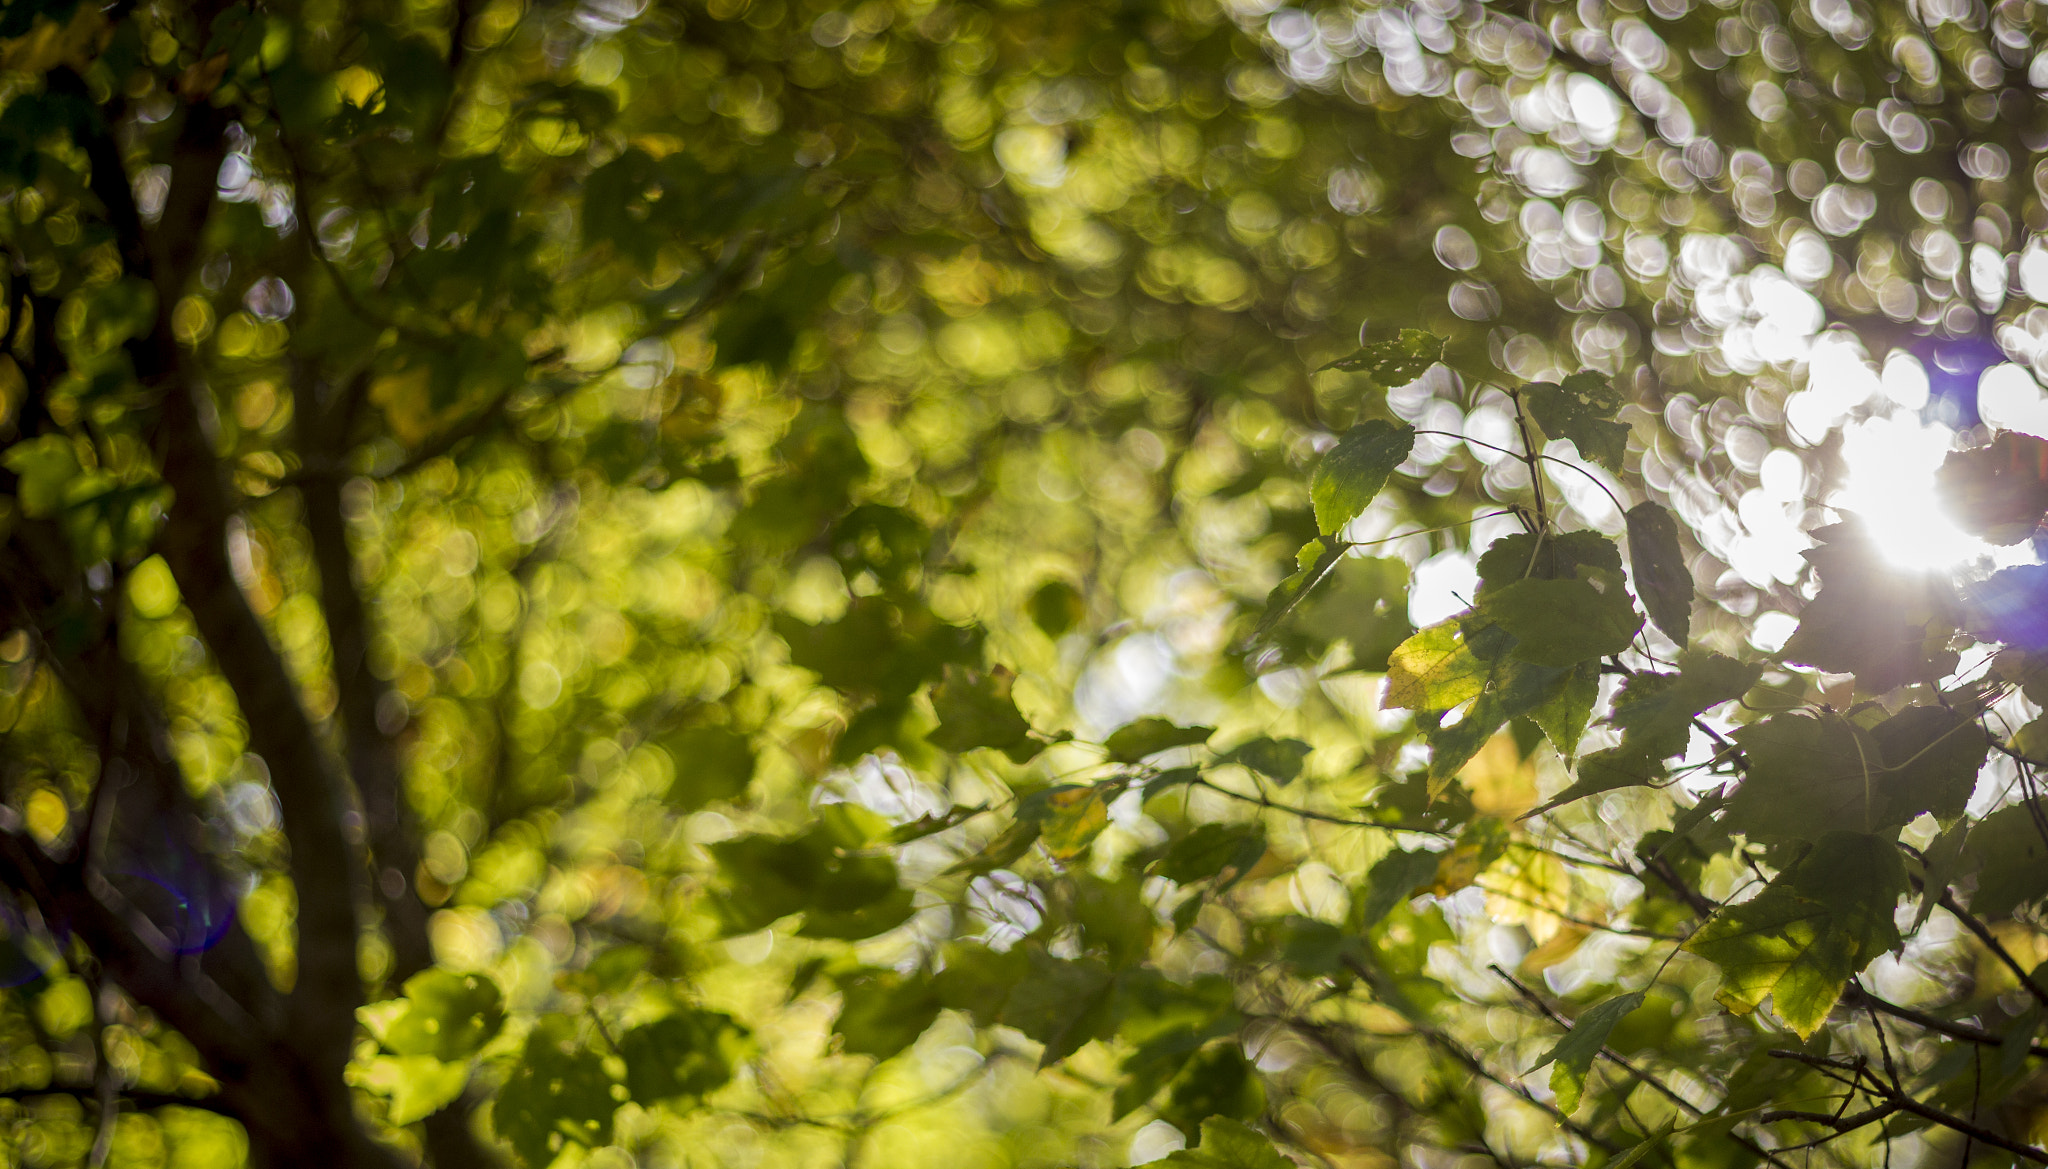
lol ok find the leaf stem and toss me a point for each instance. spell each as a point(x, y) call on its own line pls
point(1529, 457)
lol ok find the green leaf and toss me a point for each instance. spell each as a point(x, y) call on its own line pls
point(1574, 1054)
point(417, 1085)
point(1809, 774)
point(712, 763)
point(1116, 920)
point(1057, 607)
point(1514, 688)
point(1136, 741)
point(1655, 713)
point(1279, 759)
point(1218, 1082)
point(1656, 710)
point(1168, 1023)
point(1074, 815)
point(1393, 880)
point(2010, 859)
point(978, 981)
point(1643, 1148)
point(1393, 364)
point(1210, 849)
point(1004, 850)
point(882, 1012)
point(1931, 757)
point(1434, 671)
point(1564, 715)
point(688, 1053)
point(558, 1094)
point(1582, 410)
point(444, 1015)
point(1557, 556)
point(850, 919)
point(975, 710)
point(1352, 472)
point(47, 467)
point(1227, 1144)
point(1658, 565)
point(1364, 602)
point(931, 825)
point(1316, 560)
point(1943, 861)
point(1062, 1004)
point(822, 874)
point(1809, 931)
point(1885, 624)
point(1561, 623)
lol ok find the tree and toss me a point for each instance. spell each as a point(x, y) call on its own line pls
point(775, 581)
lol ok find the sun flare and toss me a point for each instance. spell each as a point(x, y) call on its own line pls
point(1891, 463)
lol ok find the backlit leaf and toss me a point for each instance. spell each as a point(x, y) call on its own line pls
point(1582, 410)
point(687, 1053)
point(1999, 491)
point(1227, 1144)
point(1808, 774)
point(2010, 858)
point(1394, 879)
point(1574, 1054)
point(1075, 816)
point(1434, 671)
point(1931, 759)
point(1351, 473)
point(1279, 759)
point(976, 710)
point(1513, 688)
point(1561, 623)
point(1134, 742)
point(882, 1012)
point(1393, 364)
point(1809, 931)
point(1211, 850)
point(1658, 565)
point(417, 1085)
point(444, 1015)
point(1886, 624)
point(558, 1094)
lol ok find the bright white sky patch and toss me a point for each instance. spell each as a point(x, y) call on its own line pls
point(1443, 586)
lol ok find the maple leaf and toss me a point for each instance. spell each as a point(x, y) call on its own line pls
point(1998, 492)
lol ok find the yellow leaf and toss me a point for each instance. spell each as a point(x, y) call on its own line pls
point(49, 44)
point(46, 815)
point(1562, 944)
point(360, 87)
point(407, 402)
point(1078, 816)
point(1531, 889)
point(1502, 783)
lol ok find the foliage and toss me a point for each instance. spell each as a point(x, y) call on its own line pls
point(765, 581)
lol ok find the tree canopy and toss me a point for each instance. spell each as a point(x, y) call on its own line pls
point(978, 583)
